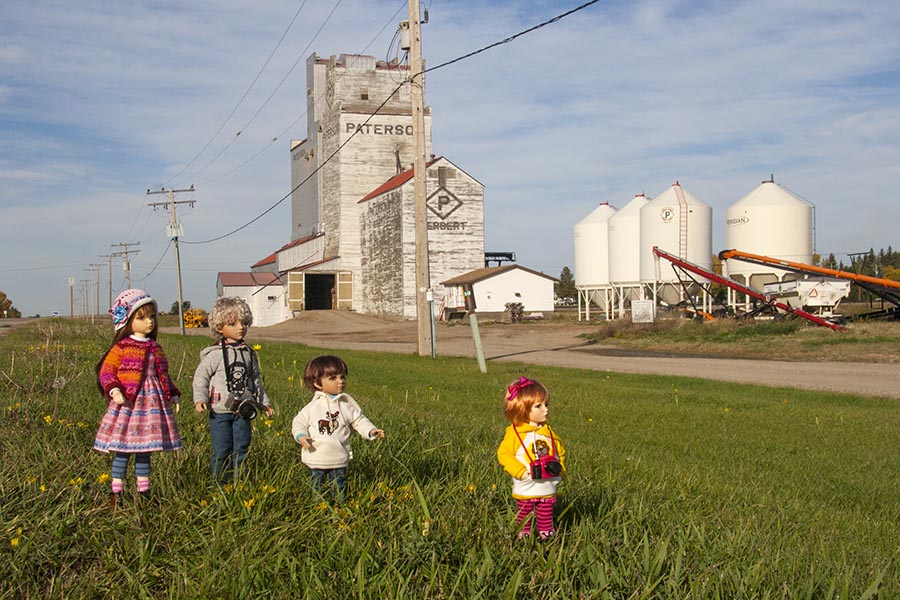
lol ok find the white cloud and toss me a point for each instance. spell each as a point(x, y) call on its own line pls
point(99, 103)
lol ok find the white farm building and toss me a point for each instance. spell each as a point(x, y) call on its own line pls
point(493, 287)
point(263, 292)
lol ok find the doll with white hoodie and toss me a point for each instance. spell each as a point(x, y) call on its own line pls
point(324, 426)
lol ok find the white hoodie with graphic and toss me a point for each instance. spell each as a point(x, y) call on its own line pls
point(328, 421)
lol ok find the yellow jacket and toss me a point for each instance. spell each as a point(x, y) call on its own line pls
point(516, 460)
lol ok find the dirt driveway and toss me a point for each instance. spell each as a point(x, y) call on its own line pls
point(559, 344)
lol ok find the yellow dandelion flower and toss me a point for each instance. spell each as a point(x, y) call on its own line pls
point(471, 488)
point(76, 481)
point(493, 486)
point(29, 479)
point(103, 478)
point(727, 409)
point(204, 503)
point(14, 542)
point(48, 419)
point(269, 422)
point(81, 425)
point(322, 506)
point(426, 527)
point(290, 378)
point(257, 347)
point(43, 488)
point(248, 504)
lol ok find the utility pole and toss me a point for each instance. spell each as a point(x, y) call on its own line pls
point(856, 260)
point(84, 292)
point(126, 264)
point(109, 258)
point(71, 297)
point(175, 229)
point(95, 290)
point(417, 95)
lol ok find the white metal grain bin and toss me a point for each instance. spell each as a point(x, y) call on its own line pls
point(679, 223)
point(625, 243)
point(592, 248)
point(772, 221)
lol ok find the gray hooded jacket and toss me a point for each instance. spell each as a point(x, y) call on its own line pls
point(210, 383)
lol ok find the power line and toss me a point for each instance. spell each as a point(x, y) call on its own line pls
point(512, 37)
point(303, 114)
point(296, 187)
point(166, 251)
point(243, 97)
point(376, 111)
point(271, 95)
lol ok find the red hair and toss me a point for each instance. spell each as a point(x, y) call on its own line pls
point(522, 396)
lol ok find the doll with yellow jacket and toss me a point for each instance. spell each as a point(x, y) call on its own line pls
point(532, 454)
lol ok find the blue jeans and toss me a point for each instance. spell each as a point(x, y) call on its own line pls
point(230, 435)
point(336, 479)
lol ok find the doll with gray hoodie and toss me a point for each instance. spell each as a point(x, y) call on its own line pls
point(228, 387)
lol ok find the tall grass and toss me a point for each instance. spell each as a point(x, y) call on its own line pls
point(678, 488)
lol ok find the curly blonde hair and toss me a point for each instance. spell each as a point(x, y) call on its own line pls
point(226, 310)
point(528, 393)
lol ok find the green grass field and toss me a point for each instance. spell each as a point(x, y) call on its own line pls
point(678, 488)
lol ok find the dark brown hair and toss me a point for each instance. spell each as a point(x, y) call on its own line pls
point(323, 366)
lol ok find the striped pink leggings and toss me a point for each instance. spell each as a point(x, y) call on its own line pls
point(543, 510)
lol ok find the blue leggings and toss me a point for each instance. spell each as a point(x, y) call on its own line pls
point(121, 460)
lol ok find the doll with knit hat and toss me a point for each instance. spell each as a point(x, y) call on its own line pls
point(133, 376)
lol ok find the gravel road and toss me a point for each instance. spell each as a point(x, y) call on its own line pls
point(559, 344)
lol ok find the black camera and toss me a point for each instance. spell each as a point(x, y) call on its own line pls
point(545, 467)
point(243, 404)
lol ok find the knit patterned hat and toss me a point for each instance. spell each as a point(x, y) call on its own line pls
point(126, 303)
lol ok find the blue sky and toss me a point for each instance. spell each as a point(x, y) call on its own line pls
point(101, 102)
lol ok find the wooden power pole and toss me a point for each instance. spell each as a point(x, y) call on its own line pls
point(417, 93)
point(126, 264)
point(175, 229)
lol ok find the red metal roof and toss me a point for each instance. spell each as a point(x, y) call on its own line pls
point(272, 257)
point(265, 261)
point(396, 181)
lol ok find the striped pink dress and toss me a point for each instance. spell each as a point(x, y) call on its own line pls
point(145, 425)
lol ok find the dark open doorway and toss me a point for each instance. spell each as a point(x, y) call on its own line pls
point(319, 291)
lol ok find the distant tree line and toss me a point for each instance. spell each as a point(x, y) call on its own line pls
point(884, 265)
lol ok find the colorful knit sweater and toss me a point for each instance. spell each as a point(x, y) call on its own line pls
point(125, 366)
